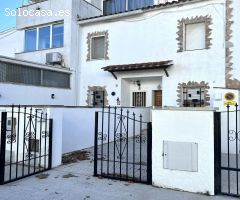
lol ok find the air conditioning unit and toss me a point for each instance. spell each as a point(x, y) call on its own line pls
point(54, 58)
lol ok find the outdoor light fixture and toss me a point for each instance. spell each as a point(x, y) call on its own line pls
point(139, 85)
point(53, 96)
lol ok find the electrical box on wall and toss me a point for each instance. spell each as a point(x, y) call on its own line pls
point(182, 156)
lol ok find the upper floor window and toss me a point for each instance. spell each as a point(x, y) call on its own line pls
point(195, 36)
point(44, 37)
point(30, 40)
point(98, 45)
point(57, 35)
point(118, 6)
point(194, 33)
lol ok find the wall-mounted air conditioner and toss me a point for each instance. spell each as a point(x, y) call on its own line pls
point(54, 58)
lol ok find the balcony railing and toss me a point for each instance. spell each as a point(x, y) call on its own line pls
point(118, 6)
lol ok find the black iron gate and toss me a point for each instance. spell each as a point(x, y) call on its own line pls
point(123, 146)
point(26, 142)
point(227, 146)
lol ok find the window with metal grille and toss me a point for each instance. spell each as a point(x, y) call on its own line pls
point(193, 97)
point(98, 47)
point(98, 98)
point(12, 73)
point(139, 99)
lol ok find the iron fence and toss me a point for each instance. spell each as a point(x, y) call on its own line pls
point(123, 144)
point(26, 142)
point(227, 160)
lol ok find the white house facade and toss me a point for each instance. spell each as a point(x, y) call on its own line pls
point(165, 55)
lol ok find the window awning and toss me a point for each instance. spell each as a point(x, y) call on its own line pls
point(139, 66)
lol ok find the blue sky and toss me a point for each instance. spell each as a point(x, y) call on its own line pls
point(8, 22)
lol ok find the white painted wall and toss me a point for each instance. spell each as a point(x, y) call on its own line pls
point(9, 42)
point(150, 37)
point(56, 138)
point(78, 125)
point(175, 125)
point(32, 95)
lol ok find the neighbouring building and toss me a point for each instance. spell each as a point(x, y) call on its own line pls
point(175, 53)
point(44, 69)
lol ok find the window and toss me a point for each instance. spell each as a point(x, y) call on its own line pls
point(12, 73)
point(139, 99)
point(55, 79)
point(98, 43)
point(98, 98)
point(193, 97)
point(194, 33)
point(44, 37)
point(57, 35)
point(97, 48)
point(119, 6)
point(195, 36)
point(30, 40)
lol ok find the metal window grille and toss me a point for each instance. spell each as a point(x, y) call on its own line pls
point(98, 98)
point(193, 97)
point(12, 73)
point(139, 99)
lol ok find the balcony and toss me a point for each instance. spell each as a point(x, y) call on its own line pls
point(119, 6)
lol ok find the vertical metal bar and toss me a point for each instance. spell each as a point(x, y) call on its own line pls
point(18, 127)
point(134, 135)
point(114, 141)
point(109, 109)
point(45, 142)
point(94, 99)
point(200, 97)
point(121, 136)
point(3, 146)
point(11, 144)
point(96, 144)
point(236, 106)
point(24, 140)
point(103, 99)
point(40, 141)
point(102, 141)
point(50, 143)
point(35, 141)
point(29, 140)
point(217, 152)
point(140, 147)
point(127, 143)
point(149, 153)
point(228, 149)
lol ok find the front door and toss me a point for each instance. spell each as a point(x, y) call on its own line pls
point(158, 98)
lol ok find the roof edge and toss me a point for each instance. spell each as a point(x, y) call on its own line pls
point(167, 5)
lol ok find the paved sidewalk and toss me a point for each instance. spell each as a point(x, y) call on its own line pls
point(75, 182)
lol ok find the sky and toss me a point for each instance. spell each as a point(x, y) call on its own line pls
point(8, 22)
